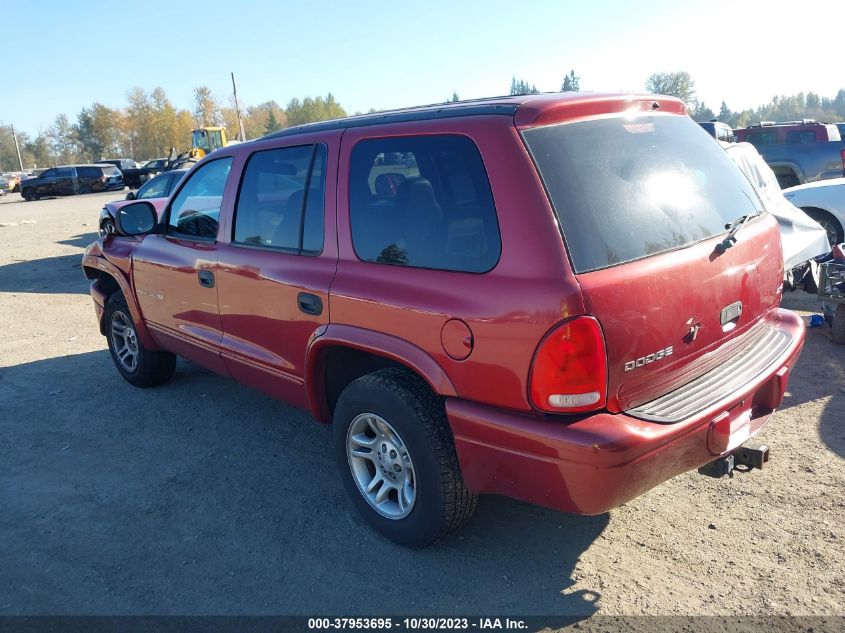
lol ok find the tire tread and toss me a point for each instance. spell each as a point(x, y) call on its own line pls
point(459, 502)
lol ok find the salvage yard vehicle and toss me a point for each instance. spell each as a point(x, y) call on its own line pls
point(802, 238)
point(566, 299)
point(718, 130)
point(159, 187)
point(798, 151)
point(68, 180)
point(824, 201)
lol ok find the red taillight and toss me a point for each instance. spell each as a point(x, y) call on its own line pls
point(569, 372)
point(104, 178)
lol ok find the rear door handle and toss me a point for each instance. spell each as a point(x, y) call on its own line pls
point(206, 278)
point(309, 304)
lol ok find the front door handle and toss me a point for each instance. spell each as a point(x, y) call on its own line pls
point(206, 278)
point(309, 304)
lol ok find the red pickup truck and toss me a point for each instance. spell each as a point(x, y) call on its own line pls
point(566, 298)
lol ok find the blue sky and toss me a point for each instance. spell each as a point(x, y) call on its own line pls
point(401, 53)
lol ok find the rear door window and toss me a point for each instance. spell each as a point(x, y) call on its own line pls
point(762, 139)
point(273, 209)
point(624, 189)
point(801, 136)
point(423, 201)
point(195, 211)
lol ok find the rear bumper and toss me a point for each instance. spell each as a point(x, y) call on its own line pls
point(598, 462)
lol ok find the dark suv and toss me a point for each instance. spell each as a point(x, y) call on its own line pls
point(565, 298)
point(72, 179)
point(120, 163)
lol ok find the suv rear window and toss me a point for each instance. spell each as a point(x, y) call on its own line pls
point(423, 201)
point(110, 170)
point(89, 172)
point(624, 189)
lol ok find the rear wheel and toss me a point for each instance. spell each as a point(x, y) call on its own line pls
point(829, 223)
point(397, 459)
point(138, 365)
point(86, 189)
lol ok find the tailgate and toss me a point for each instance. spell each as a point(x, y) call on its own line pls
point(642, 200)
point(672, 317)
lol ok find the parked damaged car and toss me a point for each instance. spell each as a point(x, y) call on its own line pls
point(566, 299)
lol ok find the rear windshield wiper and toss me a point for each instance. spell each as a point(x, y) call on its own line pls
point(734, 227)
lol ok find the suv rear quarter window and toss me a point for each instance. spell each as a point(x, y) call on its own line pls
point(423, 201)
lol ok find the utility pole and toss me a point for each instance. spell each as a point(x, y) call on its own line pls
point(15, 136)
point(238, 108)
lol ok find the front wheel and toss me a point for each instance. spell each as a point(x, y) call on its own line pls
point(29, 195)
point(397, 459)
point(138, 365)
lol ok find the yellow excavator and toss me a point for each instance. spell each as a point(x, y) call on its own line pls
point(204, 140)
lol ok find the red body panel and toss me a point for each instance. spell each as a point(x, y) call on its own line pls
point(598, 462)
point(507, 310)
point(633, 303)
point(249, 325)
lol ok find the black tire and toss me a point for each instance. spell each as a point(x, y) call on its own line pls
point(442, 502)
point(828, 223)
point(788, 180)
point(86, 189)
point(28, 195)
point(152, 367)
point(837, 325)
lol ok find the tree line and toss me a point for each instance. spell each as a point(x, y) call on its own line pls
point(150, 125)
point(680, 84)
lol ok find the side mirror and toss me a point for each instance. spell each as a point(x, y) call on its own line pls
point(138, 218)
point(130, 195)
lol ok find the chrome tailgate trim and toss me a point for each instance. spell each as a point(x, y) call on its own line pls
point(731, 376)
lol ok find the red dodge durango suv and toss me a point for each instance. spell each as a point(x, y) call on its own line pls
point(564, 298)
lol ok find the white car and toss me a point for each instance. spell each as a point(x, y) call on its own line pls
point(824, 201)
point(801, 237)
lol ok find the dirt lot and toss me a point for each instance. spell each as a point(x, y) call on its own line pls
point(206, 497)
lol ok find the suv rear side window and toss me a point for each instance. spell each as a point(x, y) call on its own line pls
point(624, 189)
point(195, 211)
point(423, 201)
point(762, 139)
point(801, 136)
point(272, 201)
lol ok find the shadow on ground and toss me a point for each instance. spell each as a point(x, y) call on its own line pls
point(81, 241)
point(819, 374)
point(206, 497)
point(60, 274)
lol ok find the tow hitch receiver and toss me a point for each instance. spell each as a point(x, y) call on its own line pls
point(743, 458)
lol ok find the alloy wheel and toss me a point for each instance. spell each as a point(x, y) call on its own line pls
point(124, 341)
point(381, 466)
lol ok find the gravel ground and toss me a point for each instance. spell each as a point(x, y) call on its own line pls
point(205, 497)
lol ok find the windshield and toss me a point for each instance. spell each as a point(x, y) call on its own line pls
point(200, 139)
point(624, 188)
